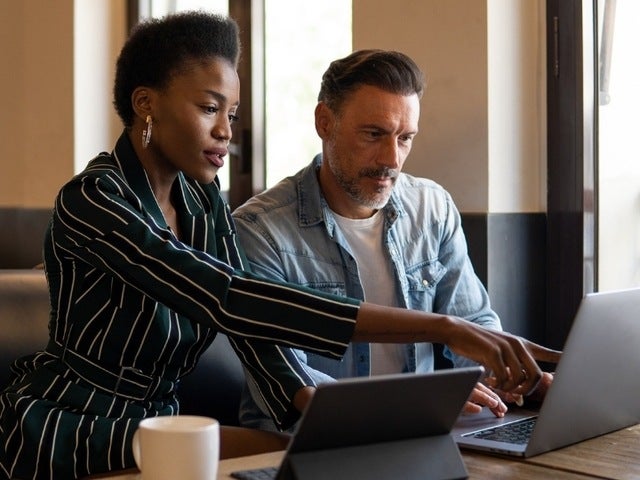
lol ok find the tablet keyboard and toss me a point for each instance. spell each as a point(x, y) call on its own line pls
point(265, 473)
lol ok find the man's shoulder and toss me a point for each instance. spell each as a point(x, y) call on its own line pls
point(419, 200)
point(271, 201)
point(419, 187)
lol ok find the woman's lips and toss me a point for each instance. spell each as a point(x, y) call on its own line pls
point(216, 157)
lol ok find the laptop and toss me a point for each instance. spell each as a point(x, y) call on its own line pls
point(384, 427)
point(595, 388)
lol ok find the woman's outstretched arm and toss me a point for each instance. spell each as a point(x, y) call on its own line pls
point(499, 352)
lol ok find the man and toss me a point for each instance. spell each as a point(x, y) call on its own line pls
point(351, 223)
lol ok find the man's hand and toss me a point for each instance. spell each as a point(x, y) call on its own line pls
point(537, 395)
point(302, 398)
point(495, 400)
point(483, 396)
point(543, 387)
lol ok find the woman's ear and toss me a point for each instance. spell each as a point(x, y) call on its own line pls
point(141, 101)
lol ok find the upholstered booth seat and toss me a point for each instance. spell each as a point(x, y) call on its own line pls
point(21, 233)
point(24, 315)
point(213, 389)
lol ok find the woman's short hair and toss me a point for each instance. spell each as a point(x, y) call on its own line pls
point(159, 48)
point(391, 71)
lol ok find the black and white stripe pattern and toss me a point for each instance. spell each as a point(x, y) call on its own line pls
point(126, 292)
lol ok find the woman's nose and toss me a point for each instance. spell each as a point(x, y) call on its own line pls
point(222, 128)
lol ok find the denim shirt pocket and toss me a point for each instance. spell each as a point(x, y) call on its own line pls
point(422, 280)
point(333, 288)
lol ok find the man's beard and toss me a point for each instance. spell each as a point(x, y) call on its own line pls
point(376, 199)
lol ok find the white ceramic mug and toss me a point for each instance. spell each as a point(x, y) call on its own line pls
point(184, 447)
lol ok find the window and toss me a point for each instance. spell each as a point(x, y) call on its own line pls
point(618, 164)
point(281, 68)
point(593, 215)
point(159, 8)
point(301, 39)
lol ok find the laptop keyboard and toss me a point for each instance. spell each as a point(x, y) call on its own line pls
point(517, 432)
point(266, 473)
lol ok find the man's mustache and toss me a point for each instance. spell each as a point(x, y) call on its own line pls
point(379, 173)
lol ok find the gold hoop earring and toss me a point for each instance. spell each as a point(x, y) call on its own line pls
point(146, 133)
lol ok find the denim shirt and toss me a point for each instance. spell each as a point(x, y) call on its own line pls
point(289, 233)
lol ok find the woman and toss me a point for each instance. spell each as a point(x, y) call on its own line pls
point(143, 270)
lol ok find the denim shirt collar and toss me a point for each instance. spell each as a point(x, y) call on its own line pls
point(313, 207)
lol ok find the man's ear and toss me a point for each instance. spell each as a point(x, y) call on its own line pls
point(142, 101)
point(324, 120)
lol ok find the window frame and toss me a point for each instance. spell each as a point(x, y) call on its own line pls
point(571, 162)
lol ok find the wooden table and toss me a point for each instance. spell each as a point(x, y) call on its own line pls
point(614, 456)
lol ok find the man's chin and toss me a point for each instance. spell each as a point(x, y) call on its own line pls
point(379, 200)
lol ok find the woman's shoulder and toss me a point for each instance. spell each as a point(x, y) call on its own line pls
point(102, 173)
point(101, 164)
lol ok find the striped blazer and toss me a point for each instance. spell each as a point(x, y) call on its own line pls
point(133, 308)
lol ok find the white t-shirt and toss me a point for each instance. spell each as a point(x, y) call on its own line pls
point(365, 237)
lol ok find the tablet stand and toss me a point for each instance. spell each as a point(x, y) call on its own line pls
point(426, 458)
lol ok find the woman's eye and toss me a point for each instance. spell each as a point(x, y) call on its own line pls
point(233, 118)
point(210, 109)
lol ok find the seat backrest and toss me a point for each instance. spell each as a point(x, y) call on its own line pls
point(22, 236)
point(24, 316)
point(213, 389)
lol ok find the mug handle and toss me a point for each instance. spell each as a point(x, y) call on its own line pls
point(135, 447)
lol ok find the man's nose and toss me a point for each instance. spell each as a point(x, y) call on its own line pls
point(391, 156)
